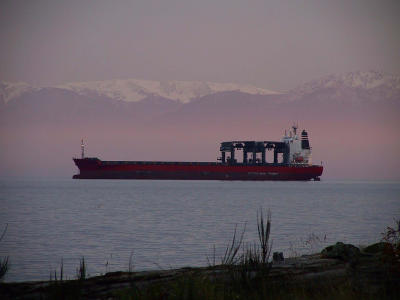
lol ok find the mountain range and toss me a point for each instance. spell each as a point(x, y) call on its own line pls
point(135, 90)
point(352, 119)
point(376, 85)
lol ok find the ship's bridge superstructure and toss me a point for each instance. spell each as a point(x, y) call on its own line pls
point(299, 147)
point(290, 150)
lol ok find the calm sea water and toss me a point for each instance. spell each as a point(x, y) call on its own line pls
point(167, 224)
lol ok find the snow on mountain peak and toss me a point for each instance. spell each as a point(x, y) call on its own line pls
point(133, 90)
point(370, 85)
point(11, 90)
point(369, 80)
point(364, 80)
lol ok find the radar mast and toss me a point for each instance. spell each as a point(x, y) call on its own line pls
point(82, 149)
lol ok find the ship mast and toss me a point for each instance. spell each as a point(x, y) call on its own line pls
point(82, 149)
point(295, 126)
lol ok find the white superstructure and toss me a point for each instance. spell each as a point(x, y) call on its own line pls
point(300, 150)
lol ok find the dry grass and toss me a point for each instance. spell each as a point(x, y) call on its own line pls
point(3, 261)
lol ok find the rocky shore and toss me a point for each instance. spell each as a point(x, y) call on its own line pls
point(340, 271)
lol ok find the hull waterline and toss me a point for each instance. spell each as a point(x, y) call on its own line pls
point(96, 169)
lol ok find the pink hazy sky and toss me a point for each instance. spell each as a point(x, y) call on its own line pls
point(272, 44)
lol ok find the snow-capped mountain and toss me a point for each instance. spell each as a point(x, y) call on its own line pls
point(11, 90)
point(134, 90)
point(353, 86)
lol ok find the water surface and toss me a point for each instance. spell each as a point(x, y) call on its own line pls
point(168, 224)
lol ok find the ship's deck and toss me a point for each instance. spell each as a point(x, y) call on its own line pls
point(188, 163)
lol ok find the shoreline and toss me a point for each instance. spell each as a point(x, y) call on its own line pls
point(338, 269)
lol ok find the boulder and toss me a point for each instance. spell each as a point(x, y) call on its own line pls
point(377, 248)
point(345, 252)
point(278, 257)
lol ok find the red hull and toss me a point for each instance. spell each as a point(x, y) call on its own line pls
point(93, 168)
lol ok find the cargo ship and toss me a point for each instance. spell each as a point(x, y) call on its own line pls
point(287, 159)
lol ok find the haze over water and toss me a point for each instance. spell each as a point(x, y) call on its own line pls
point(170, 224)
